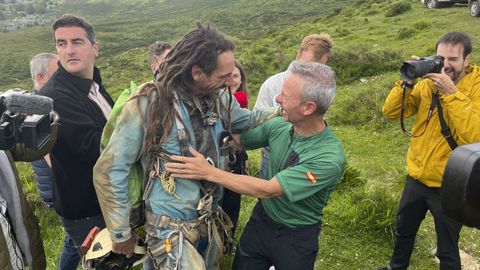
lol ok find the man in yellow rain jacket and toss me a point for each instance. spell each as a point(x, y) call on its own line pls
point(457, 87)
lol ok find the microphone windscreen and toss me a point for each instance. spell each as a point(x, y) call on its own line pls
point(28, 104)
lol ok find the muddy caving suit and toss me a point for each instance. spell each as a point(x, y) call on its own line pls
point(182, 215)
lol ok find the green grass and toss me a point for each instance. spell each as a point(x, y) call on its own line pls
point(50, 227)
point(371, 38)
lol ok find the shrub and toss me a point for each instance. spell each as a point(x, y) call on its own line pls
point(360, 108)
point(348, 12)
point(361, 105)
point(422, 25)
point(350, 64)
point(397, 9)
point(334, 12)
point(351, 179)
point(362, 208)
point(361, 2)
point(342, 32)
point(375, 209)
point(371, 12)
point(405, 33)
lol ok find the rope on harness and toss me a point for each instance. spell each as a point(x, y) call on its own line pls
point(167, 181)
point(168, 184)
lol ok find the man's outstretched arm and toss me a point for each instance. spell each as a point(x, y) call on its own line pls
point(198, 168)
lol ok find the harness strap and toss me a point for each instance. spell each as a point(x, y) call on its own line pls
point(216, 227)
point(181, 132)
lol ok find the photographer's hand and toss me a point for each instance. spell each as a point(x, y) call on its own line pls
point(411, 83)
point(443, 82)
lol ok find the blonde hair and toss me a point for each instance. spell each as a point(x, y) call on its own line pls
point(321, 43)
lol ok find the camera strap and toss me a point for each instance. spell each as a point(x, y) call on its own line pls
point(445, 129)
point(402, 113)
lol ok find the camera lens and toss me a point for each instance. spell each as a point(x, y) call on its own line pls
point(410, 72)
point(414, 69)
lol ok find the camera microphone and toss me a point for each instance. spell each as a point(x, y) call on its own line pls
point(32, 131)
point(28, 104)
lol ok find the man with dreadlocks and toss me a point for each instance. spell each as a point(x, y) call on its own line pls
point(189, 105)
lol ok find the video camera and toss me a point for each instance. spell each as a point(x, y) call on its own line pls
point(417, 68)
point(460, 194)
point(26, 120)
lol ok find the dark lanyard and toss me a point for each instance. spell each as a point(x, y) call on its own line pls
point(445, 130)
point(402, 112)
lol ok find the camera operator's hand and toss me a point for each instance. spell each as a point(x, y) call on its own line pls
point(126, 247)
point(413, 81)
point(414, 57)
point(443, 82)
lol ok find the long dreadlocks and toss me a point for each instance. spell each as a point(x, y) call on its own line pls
point(199, 47)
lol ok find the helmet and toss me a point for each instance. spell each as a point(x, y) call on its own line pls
point(100, 256)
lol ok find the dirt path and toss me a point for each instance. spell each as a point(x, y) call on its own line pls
point(468, 261)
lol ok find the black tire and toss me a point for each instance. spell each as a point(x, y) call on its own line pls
point(431, 3)
point(474, 8)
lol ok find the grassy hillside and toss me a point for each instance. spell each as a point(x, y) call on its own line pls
point(371, 38)
point(126, 28)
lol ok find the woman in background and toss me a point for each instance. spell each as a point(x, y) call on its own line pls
point(238, 161)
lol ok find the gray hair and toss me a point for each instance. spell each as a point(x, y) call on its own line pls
point(39, 65)
point(156, 49)
point(319, 83)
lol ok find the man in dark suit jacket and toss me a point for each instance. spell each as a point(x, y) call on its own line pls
point(84, 106)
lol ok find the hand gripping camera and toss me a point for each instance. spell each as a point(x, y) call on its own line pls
point(417, 68)
point(27, 123)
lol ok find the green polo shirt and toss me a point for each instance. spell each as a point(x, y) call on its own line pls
point(307, 168)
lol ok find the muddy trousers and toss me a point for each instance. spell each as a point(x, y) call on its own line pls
point(416, 200)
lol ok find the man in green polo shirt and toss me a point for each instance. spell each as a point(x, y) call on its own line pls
point(306, 162)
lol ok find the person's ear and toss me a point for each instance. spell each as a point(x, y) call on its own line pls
point(299, 55)
point(40, 78)
point(197, 73)
point(96, 48)
point(466, 60)
point(310, 108)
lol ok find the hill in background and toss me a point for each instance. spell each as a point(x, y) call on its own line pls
point(371, 38)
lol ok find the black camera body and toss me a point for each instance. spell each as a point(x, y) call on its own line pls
point(417, 68)
point(18, 122)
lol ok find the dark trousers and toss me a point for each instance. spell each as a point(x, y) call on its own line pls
point(416, 200)
point(69, 258)
point(231, 199)
point(231, 205)
point(265, 242)
point(77, 230)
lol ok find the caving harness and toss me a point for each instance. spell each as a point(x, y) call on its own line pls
point(213, 227)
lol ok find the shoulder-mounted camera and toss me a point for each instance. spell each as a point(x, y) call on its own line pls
point(27, 124)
